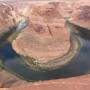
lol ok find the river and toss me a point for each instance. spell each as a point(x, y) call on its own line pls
point(80, 64)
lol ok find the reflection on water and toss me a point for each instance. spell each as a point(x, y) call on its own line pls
point(80, 64)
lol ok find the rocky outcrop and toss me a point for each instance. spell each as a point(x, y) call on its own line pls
point(46, 37)
point(8, 80)
point(6, 18)
point(47, 28)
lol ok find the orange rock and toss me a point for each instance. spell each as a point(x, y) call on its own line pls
point(47, 36)
point(81, 14)
point(6, 18)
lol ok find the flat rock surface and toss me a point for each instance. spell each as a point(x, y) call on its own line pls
point(81, 14)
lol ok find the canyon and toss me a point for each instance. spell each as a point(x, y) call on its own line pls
point(45, 38)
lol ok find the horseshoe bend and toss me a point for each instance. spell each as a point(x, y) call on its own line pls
point(46, 39)
point(43, 36)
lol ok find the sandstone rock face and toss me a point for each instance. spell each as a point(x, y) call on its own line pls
point(8, 80)
point(6, 18)
point(46, 36)
point(81, 14)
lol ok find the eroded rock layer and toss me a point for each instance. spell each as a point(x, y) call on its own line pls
point(46, 36)
point(6, 18)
